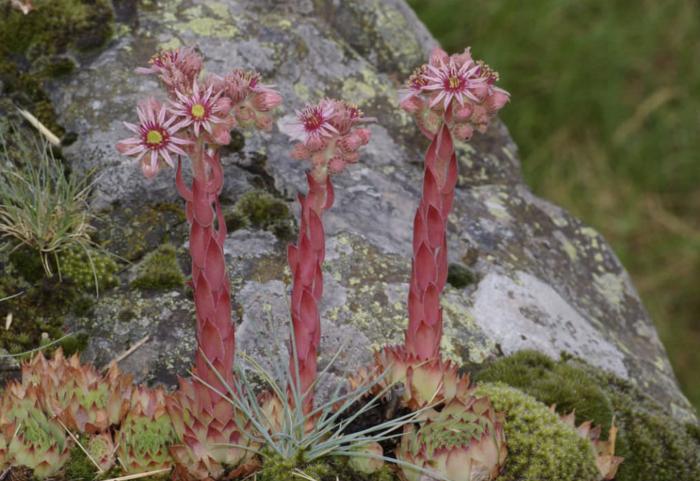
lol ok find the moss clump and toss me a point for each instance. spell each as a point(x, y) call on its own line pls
point(659, 448)
point(655, 446)
point(75, 265)
point(540, 446)
point(27, 263)
point(79, 467)
point(261, 210)
point(159, 270)
point(460, 276)
point(38, 313)
point(552, 382)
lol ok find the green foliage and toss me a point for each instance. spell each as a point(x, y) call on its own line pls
point(655, 446)
point(261, 210)
point(540, 446)
point(604, 111)
point(41, 206)
point(552, 383)
point(160, 270)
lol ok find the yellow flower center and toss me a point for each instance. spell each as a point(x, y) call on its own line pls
point(455, 82)
point(153, 137)
point(198, 111)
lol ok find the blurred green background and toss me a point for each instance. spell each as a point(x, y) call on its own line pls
point(606, 112)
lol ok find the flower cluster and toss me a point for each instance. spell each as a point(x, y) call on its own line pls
point(329, 134)
point(200, 107)
point(454, 89)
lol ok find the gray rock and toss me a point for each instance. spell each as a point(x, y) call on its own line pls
point(542, 279)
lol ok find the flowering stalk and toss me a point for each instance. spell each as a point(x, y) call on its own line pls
point(451, 96)
point(196, 123)
point(328, 136)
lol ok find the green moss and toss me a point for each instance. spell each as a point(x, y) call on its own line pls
point(261, 210)
point(160, 270)
point(75, 265)
point(655, 446)
point(79, 467)
point(540, 446)
point(659, 448)
point(38, 314)
point(276, 468)
point(552, 382)
point(27, 263)
point(460, 276)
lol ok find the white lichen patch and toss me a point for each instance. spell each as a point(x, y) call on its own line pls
point(612, 287)
point(525, 313)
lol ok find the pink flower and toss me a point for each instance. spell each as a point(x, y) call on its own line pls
point(155, 138)
point(200, 108)
point(312, 123)
point(328, 135)
point(451, 81)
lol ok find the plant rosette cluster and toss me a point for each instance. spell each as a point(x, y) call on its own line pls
point(461, 442)
point(456, 90)
point(30, 437)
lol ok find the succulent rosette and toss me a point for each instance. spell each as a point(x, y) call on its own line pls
point(32, 439)
point(78, 395)
point(425, 381)
point(209, 433)
point(606, 461)
point(146, 434)
point(462, 442)
point(102, 450)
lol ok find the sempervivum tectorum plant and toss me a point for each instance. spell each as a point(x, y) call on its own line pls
point(328, 135)
point(462, 442)
point(451, 96)
point(33, 440)
point(208, 432)
point(77, 394)
point(146, 434)
point(102, 450)
point(606, 461)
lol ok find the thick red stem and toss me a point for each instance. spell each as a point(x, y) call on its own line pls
point(215, 329)
point(305, 261)
point(429, 269)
